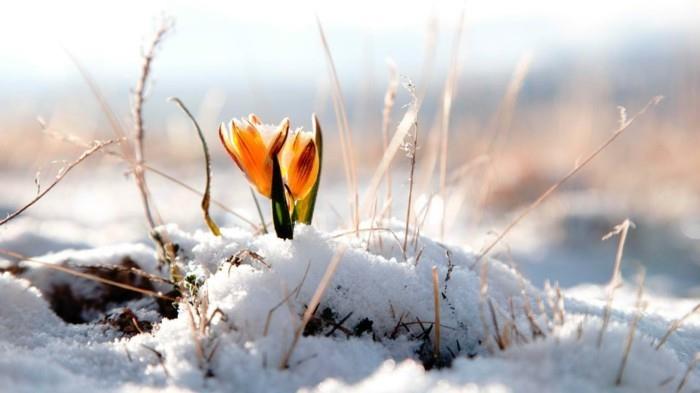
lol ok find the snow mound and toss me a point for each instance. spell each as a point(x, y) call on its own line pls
point(373, 330)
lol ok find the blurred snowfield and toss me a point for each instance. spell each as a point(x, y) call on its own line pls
point(228, 59)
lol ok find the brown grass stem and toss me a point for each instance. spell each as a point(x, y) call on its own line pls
point(315, 300)
point(448, 97)
point(24, 258)
point(640, 306)
point(344, 129)
point(675, 325)
point(389, 101)
point(693, 363)
point(625, 124)
point(616, 279)
point(436, 306)
point(206, 197)
point(97, 145)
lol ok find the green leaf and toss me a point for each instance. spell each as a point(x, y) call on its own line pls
point(304, 208)
point(284, 227)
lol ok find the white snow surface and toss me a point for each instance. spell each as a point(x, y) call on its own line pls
point(39, 352)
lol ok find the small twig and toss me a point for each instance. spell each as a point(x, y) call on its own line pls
point(615, 281)
point(137, 110)
point(207, 163)
point(448, 97)
point(411, 148)
point(161, 358)
point(389, 100)
point(263, 225)
point(494, 319)
point(72, 139)
point(339, 324)
point(693, 363)
point(97, 145)
point(640, 306)
point(313, 304)
point(237, 258)
point(654, 101)
point(195, 191)
point(140, 90)
point(285, 299)
point(675, 325)
point(24, 258)
point(345, 134)
point(436, 306)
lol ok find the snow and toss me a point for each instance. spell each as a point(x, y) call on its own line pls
point(373, 281)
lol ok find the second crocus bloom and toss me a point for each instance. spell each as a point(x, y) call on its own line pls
point(299, 161)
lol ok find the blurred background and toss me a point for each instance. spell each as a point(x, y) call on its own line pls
point(538, 87)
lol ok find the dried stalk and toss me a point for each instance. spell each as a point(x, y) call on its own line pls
point(97, 145)
point(344, 128)
point(436, 305)
point(207, 163)
point(693, 363)
point(284, 300)
point(396, 143)
point(675, 325)
point(411, 148)
point(139, 97)
point(448, 97)
point(263, 225)
point(72, 139)
point(389, 100)
point(24, 258)
point(501, 125)
point(195, 191)
point(315, 300)
point(616, 279)
point(625, 124)
point(640, 306)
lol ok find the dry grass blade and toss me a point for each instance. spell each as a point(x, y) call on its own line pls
point(139, 96)
point(501, 125)
point(389, 100)
point(448, 97)
point(24, 258)
point(625, 124)
point(640, 306)
point(344, 128)
point(396, 143)
point(675, 325)
point(284, 300)
point(187, 187)
point(140, 90)
point(72, 139)
point(616, 279)
point(693, 363)
point(207, 163)
point(315, 300)
point(410, 147)
point(263, 225)
point(112, 118)
point(97, 145)
point(436, 305)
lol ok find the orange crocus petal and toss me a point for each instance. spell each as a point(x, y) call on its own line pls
point(253, 155)
point(251, 150)
point(280, 137)
point(300, 165)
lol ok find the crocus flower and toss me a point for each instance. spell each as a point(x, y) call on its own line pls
point(252, 145)
point(299, 162)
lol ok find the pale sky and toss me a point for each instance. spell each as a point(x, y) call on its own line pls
point(213, 35)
